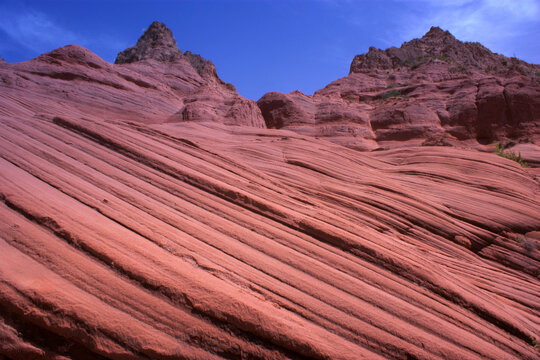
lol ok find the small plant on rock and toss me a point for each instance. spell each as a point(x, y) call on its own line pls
point(392, 94)
point(349, 99)
point(460, 68)
point(444, 58)
point(528, 244)
point(533, 342)
point(499, 150)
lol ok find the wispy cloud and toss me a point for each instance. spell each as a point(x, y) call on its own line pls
point(35, 30)
point(38, 32)
point(498, 24)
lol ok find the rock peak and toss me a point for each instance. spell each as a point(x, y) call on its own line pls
point(156, 43)
point(437, 34)
point(435, 31)
point(440, 47)
point(158, 34)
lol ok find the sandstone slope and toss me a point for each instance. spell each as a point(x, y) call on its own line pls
point(128, 234)
point(152, 82)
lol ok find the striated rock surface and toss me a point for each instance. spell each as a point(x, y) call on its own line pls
point(152, 82)
point(433, 91)
point(198, 241)
point(127, 233)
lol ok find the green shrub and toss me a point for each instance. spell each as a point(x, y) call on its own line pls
point(350, 98)
point(414, 63)
point(499, 150)
point(444, 58)
point(394, 85)
point(458, 68)
point(528, 244)
point(392, 94)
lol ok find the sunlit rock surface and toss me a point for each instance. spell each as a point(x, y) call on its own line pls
point(435, 90)
point(127, 231)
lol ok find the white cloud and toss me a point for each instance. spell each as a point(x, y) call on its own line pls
point(518, 9)
point(40, 33)
point(496, 24)
point(35, 30)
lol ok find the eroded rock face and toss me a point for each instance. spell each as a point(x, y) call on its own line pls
point(156, 43)
point(338, 120)
point(438, 44)
point(435, 87)
point(152, 82)
point(128, 232)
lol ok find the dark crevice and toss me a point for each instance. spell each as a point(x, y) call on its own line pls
point(137, 82)
point(307, 166)
point(51, 343)
point(72, 76)
point(508, 109)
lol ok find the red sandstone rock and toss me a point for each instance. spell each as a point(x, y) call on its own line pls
point(127, 232)
point(158, 83)
point(433, 87)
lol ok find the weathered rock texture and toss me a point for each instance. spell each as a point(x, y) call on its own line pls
point(433, 90)
point(152, 82)
point(126, 236)
point(157, 43)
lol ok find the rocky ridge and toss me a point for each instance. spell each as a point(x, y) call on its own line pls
point(132, 228)
point(152, 82)
point(157, 43)
point(435, 90)
point(438, 44)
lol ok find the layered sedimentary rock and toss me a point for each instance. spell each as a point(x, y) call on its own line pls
point(433, 90)
point(122, 240)
point(152, 82)
point(127, 233)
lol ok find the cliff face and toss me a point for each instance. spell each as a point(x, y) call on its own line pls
point(137, 223)
point(433, 90)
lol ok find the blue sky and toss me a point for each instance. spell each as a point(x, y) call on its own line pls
point(267, 45)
